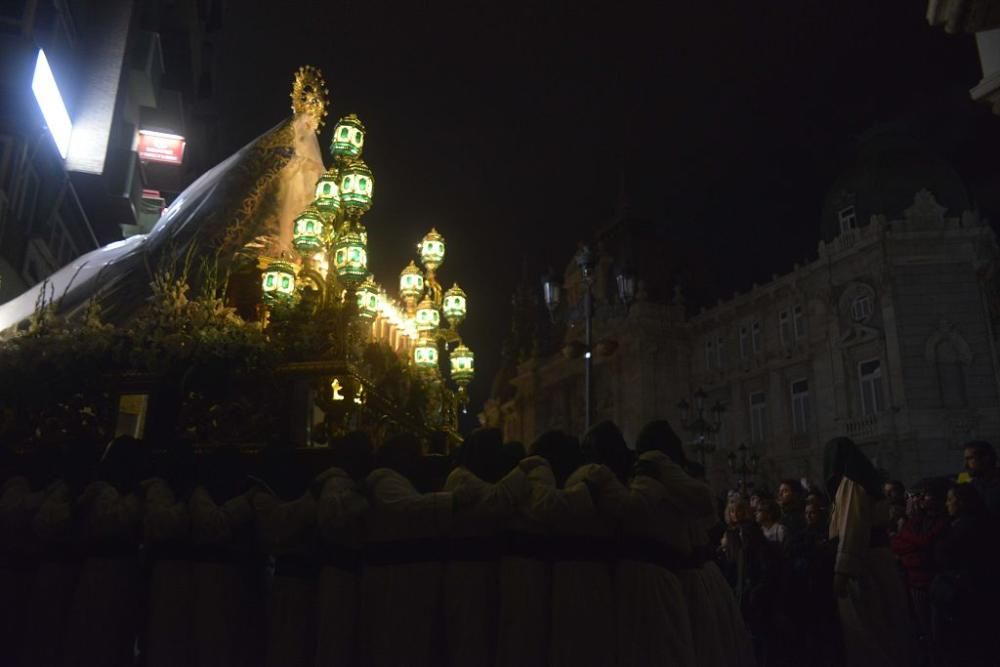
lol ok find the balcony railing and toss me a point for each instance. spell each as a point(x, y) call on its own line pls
point(861, 428)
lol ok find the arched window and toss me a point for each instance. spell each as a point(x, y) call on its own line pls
point(949, 354)
point(861, 307)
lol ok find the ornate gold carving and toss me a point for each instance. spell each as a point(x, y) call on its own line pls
point(309, 95)
point(266, 160)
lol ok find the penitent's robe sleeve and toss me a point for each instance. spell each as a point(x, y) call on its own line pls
point(634, 505)
point(280, 524)
point(340, 502)
point(426, 514)
point(110, 514)
point(54, 520)
point(496, 500)
point(163, 518)
point(215, 524)
point(547, 504)
point(691, 497)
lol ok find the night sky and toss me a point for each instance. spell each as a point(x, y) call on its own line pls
point(508, 125)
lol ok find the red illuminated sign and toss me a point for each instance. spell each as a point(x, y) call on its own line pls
point(161, 147)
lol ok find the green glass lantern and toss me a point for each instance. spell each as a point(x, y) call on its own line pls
point(328, 193)
point(428, 318)
point(348, 138)
point(368, 299)
point(425, 354)
point(356, 187)
point(307, 235)
point(350, 255)
point(278, 282)
point(432, 250)
point(454, 305)
point(463, 365)
point(411, 282)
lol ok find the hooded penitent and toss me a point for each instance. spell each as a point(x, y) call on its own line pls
point(842, 458)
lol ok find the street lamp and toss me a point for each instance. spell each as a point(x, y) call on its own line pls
point(428, 316)
point(701, 428)
point(356, 187)
point(552, 293)
point(431, 250)
point(348, 138)
point(350, 259)
point(328, 193)
point(307, 231)
point(455, 302)
point(585, 261)
point(278, 282)
point(626, 287)
point(411, 285)
point(368, 298)
point(425, 355)
point(747, 466)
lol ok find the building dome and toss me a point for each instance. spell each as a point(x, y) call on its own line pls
point(890, 168)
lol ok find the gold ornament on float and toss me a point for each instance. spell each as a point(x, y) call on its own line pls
point(309, 96)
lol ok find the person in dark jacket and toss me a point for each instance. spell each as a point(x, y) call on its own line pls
point(751, 565)
point(791, 501)
point(820, 625)
point(981, 464)
point(963, 594)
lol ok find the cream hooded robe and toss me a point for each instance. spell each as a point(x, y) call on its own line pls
point(471, 594)
point(874, 614)
point(402, 581)
point(720, 636)
point(339, 514)
point(166, 527)
point(525, 615)
point(106, 606)
point(18, 552)
point(652, 618)
point(225, 608)
point(54, 583)
point(285, 530)
point(584, 610)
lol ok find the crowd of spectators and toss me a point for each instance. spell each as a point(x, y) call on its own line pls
point(782, 563)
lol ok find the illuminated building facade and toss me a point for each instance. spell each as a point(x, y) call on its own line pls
point(888, 336)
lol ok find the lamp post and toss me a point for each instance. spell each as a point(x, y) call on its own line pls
point(745, 465)
point(585, 261)
point(702, 429)
point(626, 280)
point(552, 293)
